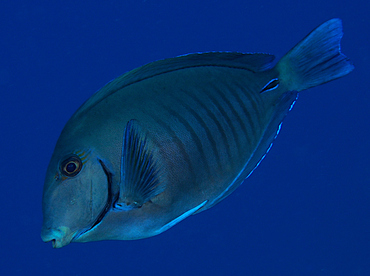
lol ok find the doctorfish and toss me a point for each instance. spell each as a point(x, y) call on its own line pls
point(175, 137)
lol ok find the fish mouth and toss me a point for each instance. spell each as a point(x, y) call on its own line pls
point(59, 237)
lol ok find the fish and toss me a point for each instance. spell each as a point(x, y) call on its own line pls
point(175, 137)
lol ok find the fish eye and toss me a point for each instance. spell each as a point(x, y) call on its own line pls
point(71, 166)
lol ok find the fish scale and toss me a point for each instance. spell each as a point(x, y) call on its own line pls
point(215, 101)
point(175, 137)
point(195, 144)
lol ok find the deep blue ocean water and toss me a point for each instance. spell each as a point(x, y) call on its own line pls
point(304, 211)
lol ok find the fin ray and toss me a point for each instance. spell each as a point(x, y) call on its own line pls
point(315, 60)
point(140, 179)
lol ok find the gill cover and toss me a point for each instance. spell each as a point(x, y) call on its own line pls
point(75, 196)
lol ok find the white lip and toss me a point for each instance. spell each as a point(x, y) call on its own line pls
point(59, 237)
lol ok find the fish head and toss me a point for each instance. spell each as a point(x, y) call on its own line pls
point(75, 196)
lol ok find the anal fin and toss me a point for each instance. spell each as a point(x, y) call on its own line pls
point(140, 180)
point(283, 106)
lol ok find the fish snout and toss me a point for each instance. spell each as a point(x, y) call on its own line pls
point(59, 237)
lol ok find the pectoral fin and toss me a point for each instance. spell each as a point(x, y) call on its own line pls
point(140, 179)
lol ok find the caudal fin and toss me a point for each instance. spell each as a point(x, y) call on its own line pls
point(316, 59)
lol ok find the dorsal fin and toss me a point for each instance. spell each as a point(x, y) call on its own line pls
point(254, 62)
point(139, 172)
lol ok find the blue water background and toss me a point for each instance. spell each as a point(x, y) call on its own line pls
point(304, 211)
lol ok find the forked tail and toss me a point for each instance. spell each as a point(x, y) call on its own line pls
point(316, 59)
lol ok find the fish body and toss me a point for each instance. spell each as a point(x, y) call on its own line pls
point(174, 137)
